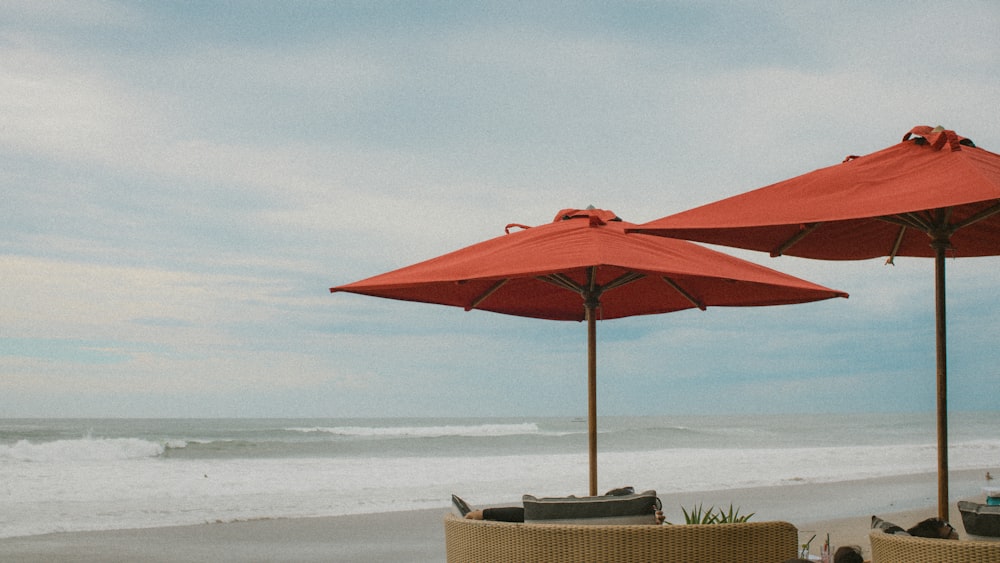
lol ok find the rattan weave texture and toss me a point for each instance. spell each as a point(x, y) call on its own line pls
point(476, 541)
point(889, 548)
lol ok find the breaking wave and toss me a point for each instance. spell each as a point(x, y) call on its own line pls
point(480, 430)
point(85, 449)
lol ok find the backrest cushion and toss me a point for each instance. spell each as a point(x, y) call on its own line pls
point(636, 508)
point(887, 527)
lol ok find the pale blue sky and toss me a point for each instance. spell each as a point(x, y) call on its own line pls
point(184, 180)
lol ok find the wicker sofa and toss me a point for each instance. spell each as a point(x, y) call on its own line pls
point(889, 548)
point(478, 541)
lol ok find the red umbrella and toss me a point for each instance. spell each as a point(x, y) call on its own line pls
point(931, 195)
point(581, 266)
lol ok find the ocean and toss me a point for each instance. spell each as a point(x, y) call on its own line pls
point(98, 474)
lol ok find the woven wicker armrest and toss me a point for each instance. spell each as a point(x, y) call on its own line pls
point(481, 541)
point(889, 548)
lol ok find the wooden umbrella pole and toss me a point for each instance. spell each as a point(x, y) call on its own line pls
point(942, 377)
point(592, 394)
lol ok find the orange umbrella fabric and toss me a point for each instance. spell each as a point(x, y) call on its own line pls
point(934, 184)
point(931, 195)
point(583, 266)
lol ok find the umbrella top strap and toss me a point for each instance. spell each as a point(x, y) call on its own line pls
point(938, 137)
point(596, 216)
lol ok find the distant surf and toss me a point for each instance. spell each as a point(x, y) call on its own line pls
point(425, 431)
point(83, 449)
point(74, 475)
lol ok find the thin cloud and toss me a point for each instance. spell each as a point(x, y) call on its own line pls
point(184, 182)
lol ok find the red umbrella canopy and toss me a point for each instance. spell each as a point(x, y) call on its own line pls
point(545, 272)
point(932, 194)
point(582, 266)
point(934, 184)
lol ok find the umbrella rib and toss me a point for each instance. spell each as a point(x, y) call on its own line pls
point(560, 280)
point(911, 220)
point(493, 288)
point(895, 245)
point(683, 292)
point(803, 232)
point(624, 279)
point(984, 214)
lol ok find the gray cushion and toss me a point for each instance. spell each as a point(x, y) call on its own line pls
point(636, 508)
point(887, 527)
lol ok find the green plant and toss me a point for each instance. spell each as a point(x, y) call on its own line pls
point(699, 515)
point(733, 516)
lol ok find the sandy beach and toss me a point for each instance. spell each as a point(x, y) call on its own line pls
point(842, 510)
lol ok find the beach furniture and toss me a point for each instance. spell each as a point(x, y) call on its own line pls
point(980, 519)
point(892, 548)
point(482, 541)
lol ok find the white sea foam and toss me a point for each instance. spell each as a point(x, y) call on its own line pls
point(475, 430)
point(83, 449)
point(108, 483)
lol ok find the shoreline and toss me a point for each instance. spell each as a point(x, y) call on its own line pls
point(842, 509)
